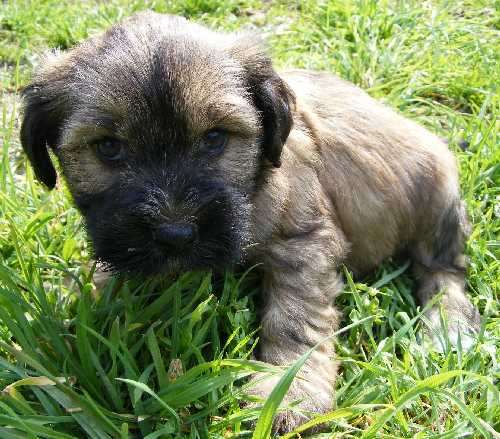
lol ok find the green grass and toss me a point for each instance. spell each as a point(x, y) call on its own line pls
point(169, 358)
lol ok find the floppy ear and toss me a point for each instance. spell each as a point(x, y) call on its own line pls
point(271, 95)
point(273, 98)
point(40, 128)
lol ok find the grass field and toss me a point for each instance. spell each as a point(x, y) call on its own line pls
point(169, 358)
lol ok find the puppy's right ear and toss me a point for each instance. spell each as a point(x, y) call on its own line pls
point(271, 95)
point(41, 125)
point(274, 100)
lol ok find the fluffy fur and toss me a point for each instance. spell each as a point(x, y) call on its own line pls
point(316, 174)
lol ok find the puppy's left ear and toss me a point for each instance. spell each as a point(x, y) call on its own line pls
point(45, 108)
point(39, 130)
point(271, 95)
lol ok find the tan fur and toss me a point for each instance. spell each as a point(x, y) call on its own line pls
point(357, 183)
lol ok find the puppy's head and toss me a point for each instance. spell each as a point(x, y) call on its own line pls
point(161, 127)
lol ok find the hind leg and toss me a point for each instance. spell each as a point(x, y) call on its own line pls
point(459, 313)
point(439, 266)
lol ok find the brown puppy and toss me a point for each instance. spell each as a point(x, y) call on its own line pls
point(184, 149)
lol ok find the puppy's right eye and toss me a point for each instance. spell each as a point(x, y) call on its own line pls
point(110, 150)
point(214, 141)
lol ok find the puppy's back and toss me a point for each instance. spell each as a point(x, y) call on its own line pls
point(378, 167)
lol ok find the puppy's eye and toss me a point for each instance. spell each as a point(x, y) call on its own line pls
point(109, 150)
point(214, 141)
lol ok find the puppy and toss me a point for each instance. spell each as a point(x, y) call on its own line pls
point(184, 149)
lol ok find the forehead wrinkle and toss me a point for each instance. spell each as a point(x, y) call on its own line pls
point(236, 115)
point(212, 90)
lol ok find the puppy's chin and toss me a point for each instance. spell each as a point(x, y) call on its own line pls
point(123, 239)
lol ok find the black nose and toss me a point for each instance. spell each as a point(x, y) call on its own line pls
point(176, 235)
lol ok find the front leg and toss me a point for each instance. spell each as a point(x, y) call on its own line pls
point(300, 283)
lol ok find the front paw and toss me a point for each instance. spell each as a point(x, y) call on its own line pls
point(305, 398)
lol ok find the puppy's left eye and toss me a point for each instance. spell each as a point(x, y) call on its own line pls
point(215, 140)
point(109, 150)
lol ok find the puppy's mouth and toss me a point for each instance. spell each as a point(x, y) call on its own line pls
point(129, 241)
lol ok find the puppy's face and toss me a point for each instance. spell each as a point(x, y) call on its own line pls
point(161, 128)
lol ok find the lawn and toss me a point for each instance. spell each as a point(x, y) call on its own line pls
point(169, 357)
